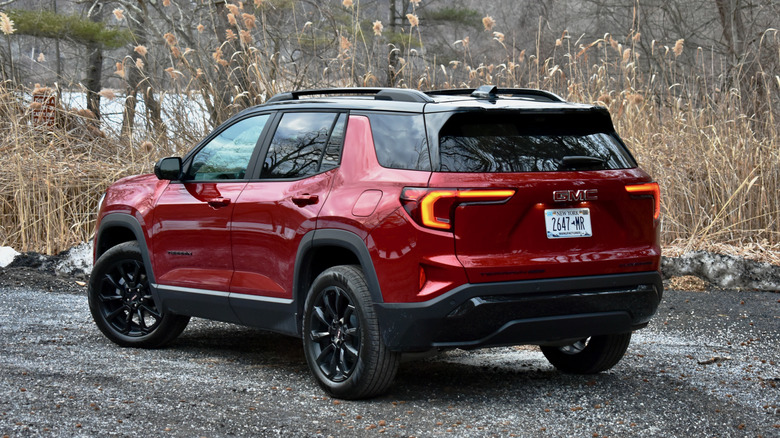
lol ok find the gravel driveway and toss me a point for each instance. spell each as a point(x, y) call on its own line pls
point(706, 366)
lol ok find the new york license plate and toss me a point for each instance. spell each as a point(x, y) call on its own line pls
point(563, 223)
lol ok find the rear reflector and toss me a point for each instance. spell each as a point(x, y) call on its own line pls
point(648, 189)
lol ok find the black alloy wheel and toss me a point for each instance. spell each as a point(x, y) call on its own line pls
point(335, 334)
point(126, 302)
point(588, 355)
point(122, 304)
point(341, 337)
point(576, 347)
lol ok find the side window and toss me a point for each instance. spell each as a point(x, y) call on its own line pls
point(400, 141)
point(227, 155)
point(297, 146)
point(332, 155)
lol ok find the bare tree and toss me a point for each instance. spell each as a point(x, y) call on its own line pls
point(93, 80)
point(137, 81)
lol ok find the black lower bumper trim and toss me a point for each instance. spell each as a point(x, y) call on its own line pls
point(523, 312)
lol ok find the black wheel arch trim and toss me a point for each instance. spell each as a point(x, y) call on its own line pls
point(126, 221)
point(332, 237)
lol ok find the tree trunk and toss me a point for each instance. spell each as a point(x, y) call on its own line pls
point(743, 59)
point(57, 45)
point(730, 14)
point(221, 94)
point(392, 57)
point(137, 81)
point(93, 79)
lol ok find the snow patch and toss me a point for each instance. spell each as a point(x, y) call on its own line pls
point(74, 261)
point(7, 255)
point(77, 260)
point(725, 271)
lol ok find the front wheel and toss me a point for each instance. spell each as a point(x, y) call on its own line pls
point(341, 337)
point(590, 355)
point(121, 301)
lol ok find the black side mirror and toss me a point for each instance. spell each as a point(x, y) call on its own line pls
point(168, 168)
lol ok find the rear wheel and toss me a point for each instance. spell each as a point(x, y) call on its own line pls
point(590, 355)
point(341, 337)
point(121, 301)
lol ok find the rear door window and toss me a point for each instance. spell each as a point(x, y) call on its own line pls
point(491, 143)
point(303, 145)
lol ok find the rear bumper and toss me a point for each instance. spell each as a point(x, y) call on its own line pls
point(523, 312)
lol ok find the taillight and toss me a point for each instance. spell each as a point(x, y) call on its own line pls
point(433, 208)
point(648, 189)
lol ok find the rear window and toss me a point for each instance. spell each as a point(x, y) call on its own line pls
point(489, 143)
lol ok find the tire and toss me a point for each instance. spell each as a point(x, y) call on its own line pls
point(590, 355)
point(341, 337)
point(121, 301)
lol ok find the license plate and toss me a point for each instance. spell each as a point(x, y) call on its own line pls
point(563, 223)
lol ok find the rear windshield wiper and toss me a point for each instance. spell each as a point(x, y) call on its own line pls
point(575, 161)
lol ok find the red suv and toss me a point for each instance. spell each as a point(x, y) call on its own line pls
point(376, 222)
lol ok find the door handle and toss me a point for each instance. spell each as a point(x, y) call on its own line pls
point(305, 199)
point(219, 202)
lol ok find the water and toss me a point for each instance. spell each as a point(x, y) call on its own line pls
point(179, 111)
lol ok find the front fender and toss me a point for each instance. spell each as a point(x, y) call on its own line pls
point(116, 228)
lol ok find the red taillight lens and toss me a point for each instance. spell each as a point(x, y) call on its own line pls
point(648, 189)
point(433, 208)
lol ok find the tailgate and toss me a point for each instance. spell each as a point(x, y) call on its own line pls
point(557, 224)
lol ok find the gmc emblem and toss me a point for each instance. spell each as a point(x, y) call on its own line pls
point(575, 195)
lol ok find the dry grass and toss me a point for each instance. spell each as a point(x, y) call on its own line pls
point(714, 150)
point(689, 283)
point(53, 176)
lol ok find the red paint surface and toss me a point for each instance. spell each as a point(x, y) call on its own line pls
point(249, 246)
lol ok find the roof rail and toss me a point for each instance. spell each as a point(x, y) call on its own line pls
point(394, 94)
point(492, 92)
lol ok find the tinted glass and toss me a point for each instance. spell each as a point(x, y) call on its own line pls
point(297, 145)
point(227, 155)
point(332, 155)
point(400, 141)
point(530, 143)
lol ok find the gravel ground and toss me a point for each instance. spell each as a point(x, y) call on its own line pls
point(706, 366)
